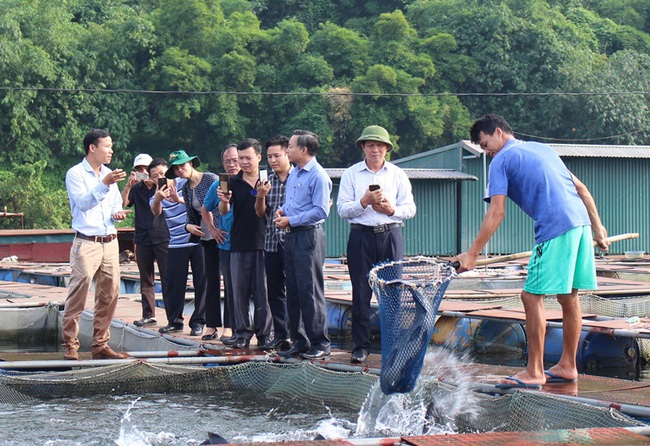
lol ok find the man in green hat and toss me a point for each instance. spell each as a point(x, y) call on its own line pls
point(375, 197)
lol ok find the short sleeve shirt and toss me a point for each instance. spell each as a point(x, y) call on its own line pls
point(533, 176)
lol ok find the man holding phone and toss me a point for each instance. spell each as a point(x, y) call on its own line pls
point(151, 236)
point(270, 197)
point(375, 197)
point(246, 249)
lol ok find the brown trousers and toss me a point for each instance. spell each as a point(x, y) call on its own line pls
point(99, 261)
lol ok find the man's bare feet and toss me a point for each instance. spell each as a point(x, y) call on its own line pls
point(557, 373)
point(526, 378)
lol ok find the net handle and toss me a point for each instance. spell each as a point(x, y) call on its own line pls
point(521, 255)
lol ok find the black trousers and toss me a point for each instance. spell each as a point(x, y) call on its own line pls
point(228, 293)
point(248, 282)
point(276, 289)
point(213, 284)
point(178, 263)
point(145, 255)
point(304, 258)
point(366, 249)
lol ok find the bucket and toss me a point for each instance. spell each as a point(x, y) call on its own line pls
point(499, 337)
point(595, 350)
point(454, 333)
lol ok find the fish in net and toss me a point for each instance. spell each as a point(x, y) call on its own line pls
point(409, 293)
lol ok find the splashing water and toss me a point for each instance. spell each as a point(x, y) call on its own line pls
point(430, 408)
point(129, 433)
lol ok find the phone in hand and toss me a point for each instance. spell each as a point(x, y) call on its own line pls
point(264, 176)
point(374, 187)
point(162, 182)
point(223, 182)
point(141, 176)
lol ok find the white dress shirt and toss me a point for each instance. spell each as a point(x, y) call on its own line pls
point(92, 202)
point(394, 184)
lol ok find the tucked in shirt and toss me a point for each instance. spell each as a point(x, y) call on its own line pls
point(393, 182)
point(274, 200)
point(307, 199)
point(92, 203)
point(533, 176)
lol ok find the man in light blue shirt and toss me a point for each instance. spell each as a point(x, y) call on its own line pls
point(306, 206)
point(96, 203)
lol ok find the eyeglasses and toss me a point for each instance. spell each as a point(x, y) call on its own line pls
point(230, 161)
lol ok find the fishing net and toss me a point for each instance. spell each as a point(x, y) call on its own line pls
point(313, 387)
point(409, 293)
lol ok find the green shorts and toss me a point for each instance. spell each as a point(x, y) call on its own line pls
point(563, 263)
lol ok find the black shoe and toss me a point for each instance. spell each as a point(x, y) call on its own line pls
point(359, 356)
point(210, 337)
point(315, 353)
point(264, 344)
point(171, 328)
point(229, 341)
point(241, 343)
point(197, 330)
point(281, 344)
point(145, 321)
point(293, 352)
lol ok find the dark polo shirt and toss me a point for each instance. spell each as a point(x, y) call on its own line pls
point(149, 229)
point(247, 233)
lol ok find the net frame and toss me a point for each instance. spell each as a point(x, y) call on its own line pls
point(409, 293)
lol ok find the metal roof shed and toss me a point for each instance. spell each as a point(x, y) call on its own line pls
point(616, 176)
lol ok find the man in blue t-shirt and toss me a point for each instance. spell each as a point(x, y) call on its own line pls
point(535, 178)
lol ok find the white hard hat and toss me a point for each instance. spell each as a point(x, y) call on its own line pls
point(142, 160)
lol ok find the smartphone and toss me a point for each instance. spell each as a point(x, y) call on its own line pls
point(141, 176)
point(223, 182)
point(162, 182)
point(264, 176)
point(374, 187)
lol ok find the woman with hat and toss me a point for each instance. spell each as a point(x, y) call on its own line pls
point(194, 191)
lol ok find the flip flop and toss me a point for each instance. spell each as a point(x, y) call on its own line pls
point(519, 384)
point(553, 378)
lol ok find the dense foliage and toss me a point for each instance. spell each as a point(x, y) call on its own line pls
point(197, 74)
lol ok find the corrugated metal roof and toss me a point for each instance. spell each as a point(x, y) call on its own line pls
point(576, 150)
point(419, 174)
point(602, 151)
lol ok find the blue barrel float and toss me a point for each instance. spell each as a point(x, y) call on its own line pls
point(595, 350)
point(454, 333)
point(479, 336)
point(339, 319)
point(492, 336)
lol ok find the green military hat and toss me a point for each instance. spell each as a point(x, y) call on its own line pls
point(375, 133)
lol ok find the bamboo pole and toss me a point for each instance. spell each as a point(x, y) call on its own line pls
point(522, 255)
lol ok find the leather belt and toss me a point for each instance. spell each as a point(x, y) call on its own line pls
point(290, 229)
point(376, 229)
point(97, 238)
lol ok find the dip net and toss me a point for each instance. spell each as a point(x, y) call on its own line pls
point(409, 293)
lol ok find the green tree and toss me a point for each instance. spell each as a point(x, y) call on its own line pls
point(23, 188)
